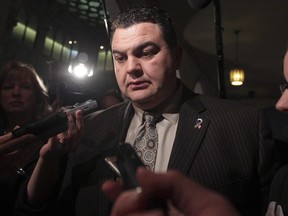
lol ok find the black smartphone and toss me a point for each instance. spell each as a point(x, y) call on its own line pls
point(124, 164)
point(128, 162)
point(56, 122)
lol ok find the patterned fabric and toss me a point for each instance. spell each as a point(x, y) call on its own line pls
point(146, 142)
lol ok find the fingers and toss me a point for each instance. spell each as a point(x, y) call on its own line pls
point(17, 156)
point(5, 138)
point(126, 203)
point(112, 189)
point(75, 126)
point(73, 133)
point(9, 144)
point(130, 203)
point(171, 186)
point(79, 121)
point(64, 137)
point(186, 195)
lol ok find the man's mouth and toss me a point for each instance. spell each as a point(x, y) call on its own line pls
point(138, 85)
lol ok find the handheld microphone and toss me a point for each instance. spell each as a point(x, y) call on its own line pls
point(198, 4)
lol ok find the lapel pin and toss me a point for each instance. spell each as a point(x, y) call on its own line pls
point(198, 123)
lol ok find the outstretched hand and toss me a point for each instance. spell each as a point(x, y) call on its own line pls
point(185, 196)
point(45, 174)
point(67, 141)
point(16, 152)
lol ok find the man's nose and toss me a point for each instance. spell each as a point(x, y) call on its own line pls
point(133, 66)
point(282, 103)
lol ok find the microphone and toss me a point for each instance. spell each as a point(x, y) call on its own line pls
point(198, 4)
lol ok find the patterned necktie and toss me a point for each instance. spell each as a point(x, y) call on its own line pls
point(146, 143)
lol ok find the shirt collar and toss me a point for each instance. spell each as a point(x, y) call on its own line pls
point(170, 107)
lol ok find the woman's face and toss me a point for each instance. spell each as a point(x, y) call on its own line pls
point(18, 94)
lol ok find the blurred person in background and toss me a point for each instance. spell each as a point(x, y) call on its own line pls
point(278, 197)
point(109, 98)
point(24, 100)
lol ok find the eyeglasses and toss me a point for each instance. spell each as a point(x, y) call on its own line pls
point(283, 87)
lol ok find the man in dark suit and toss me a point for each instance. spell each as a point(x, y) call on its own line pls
point(228, 153)
point(222, 145)
point(278, 121)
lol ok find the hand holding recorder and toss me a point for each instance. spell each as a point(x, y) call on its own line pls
point(45, 174)
point(17, 147)
point(55, 123)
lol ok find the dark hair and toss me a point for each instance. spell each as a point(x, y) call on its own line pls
point(42, 107)
point(140, 14)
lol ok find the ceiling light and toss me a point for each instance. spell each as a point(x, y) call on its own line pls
point(237, 74)
point(80, 67)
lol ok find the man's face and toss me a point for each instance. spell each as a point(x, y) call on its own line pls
point(18, 94)
point(145, 67)
point(282, 103)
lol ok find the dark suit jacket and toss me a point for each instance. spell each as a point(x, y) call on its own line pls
point(231, 153)
point(279, 191)
point(278, 122)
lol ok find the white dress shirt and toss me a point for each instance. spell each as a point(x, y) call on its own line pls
point(166, 129)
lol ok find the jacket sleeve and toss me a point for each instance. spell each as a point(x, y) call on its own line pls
point(269, 161)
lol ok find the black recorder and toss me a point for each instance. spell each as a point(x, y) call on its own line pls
point(56, 122)
point(127, 163)
point(124, 164)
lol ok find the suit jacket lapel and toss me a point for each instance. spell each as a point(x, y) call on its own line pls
point(189, 135)
point(125, 115)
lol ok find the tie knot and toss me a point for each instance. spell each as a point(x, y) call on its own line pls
point(151, 117)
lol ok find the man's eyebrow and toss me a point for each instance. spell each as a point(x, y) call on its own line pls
point(145, 44)
point(140, 47)
point(116, 52)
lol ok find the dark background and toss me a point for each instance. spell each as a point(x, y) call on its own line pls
point(262, 43)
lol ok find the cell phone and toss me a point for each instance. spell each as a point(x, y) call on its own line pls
point(124, 164)
point(127, 163)
point(56, 122)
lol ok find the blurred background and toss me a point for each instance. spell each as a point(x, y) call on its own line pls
point(68, 44)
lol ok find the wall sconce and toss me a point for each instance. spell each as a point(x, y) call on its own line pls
point(237, 75)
